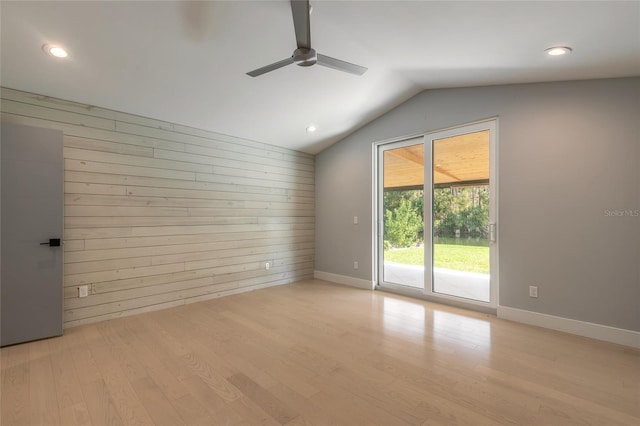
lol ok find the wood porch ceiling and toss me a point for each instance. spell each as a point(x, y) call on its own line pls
point(457, 160)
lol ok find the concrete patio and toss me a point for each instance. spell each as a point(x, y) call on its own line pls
point(469, 285)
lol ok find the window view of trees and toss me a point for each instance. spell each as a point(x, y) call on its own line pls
point(458, 212)
point(403, 218)
point(462, 211)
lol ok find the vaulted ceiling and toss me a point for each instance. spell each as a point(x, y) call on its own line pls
point(185, 62)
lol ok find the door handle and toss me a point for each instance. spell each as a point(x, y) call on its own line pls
point(53, 242)
point(492, 232)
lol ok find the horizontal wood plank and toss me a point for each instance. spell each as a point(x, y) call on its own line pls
point(106, 308)
point(90, 110)
point(128, 221)
point(213, 293)
point(106, 146)
point(148, 231)
point(111, 243)
point(138, 182)
point(134, 160)
point(125, 169)
point(52, 114)
point(196, 141)
point(182, 249)
point(92, 133)
point(218, 178)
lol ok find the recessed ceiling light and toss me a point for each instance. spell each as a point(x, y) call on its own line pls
point(558, 50)
point(311, 129)
point(54, 50)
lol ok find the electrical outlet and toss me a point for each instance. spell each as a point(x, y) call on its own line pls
point(533, 291)
point(355, 264)
point(267, 266)
point(355, 220)
point(83, 291)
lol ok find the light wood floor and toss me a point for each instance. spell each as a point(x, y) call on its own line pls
point(315, 353)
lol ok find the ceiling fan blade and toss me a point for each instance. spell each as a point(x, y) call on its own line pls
point(337, 64)
point(271, 67)
point(301, 23)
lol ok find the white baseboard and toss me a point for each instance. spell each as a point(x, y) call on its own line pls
point(567, 325)
point(343, 279)
point(581, 328)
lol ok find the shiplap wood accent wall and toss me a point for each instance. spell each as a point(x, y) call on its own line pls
point(158, 214)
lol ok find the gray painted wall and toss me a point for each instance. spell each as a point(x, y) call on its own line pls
point(568, 152)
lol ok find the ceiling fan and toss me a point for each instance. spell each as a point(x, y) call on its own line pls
point(304, 55)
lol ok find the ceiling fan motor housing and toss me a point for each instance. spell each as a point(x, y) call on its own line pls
point(304, 57)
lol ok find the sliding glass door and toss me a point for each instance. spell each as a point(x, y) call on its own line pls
point(461, 213)
point(437, 233)
point(401, 213)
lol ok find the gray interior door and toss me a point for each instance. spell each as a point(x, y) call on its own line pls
point(31, 214)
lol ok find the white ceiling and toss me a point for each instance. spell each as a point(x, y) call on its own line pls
point(185, 62)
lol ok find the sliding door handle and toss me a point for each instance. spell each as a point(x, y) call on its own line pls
point(492, 232)
point(53, 242)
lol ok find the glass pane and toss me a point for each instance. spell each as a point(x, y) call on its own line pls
point(403, 210)
point(461, 216)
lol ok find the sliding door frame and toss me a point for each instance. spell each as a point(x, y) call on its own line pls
point(430, 138)
point(490, 124)
point(379, 206)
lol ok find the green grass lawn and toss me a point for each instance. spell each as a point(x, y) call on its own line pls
point(456, 257)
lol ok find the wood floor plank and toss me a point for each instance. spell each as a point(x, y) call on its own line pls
point(75, 415)
point(309, 411)
point(300, 421)
point(118, 386)
point(155, 368)
point(373, 394)
point(43, 409)
point(15, 385)
point(161, 411)
point(314, 353)
point(191, 411)
point(219, 409)
point(64, 374)
point(566, 402)
point(100, 405)
point(252, 413)
point(85, 364)
point(277, 409)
